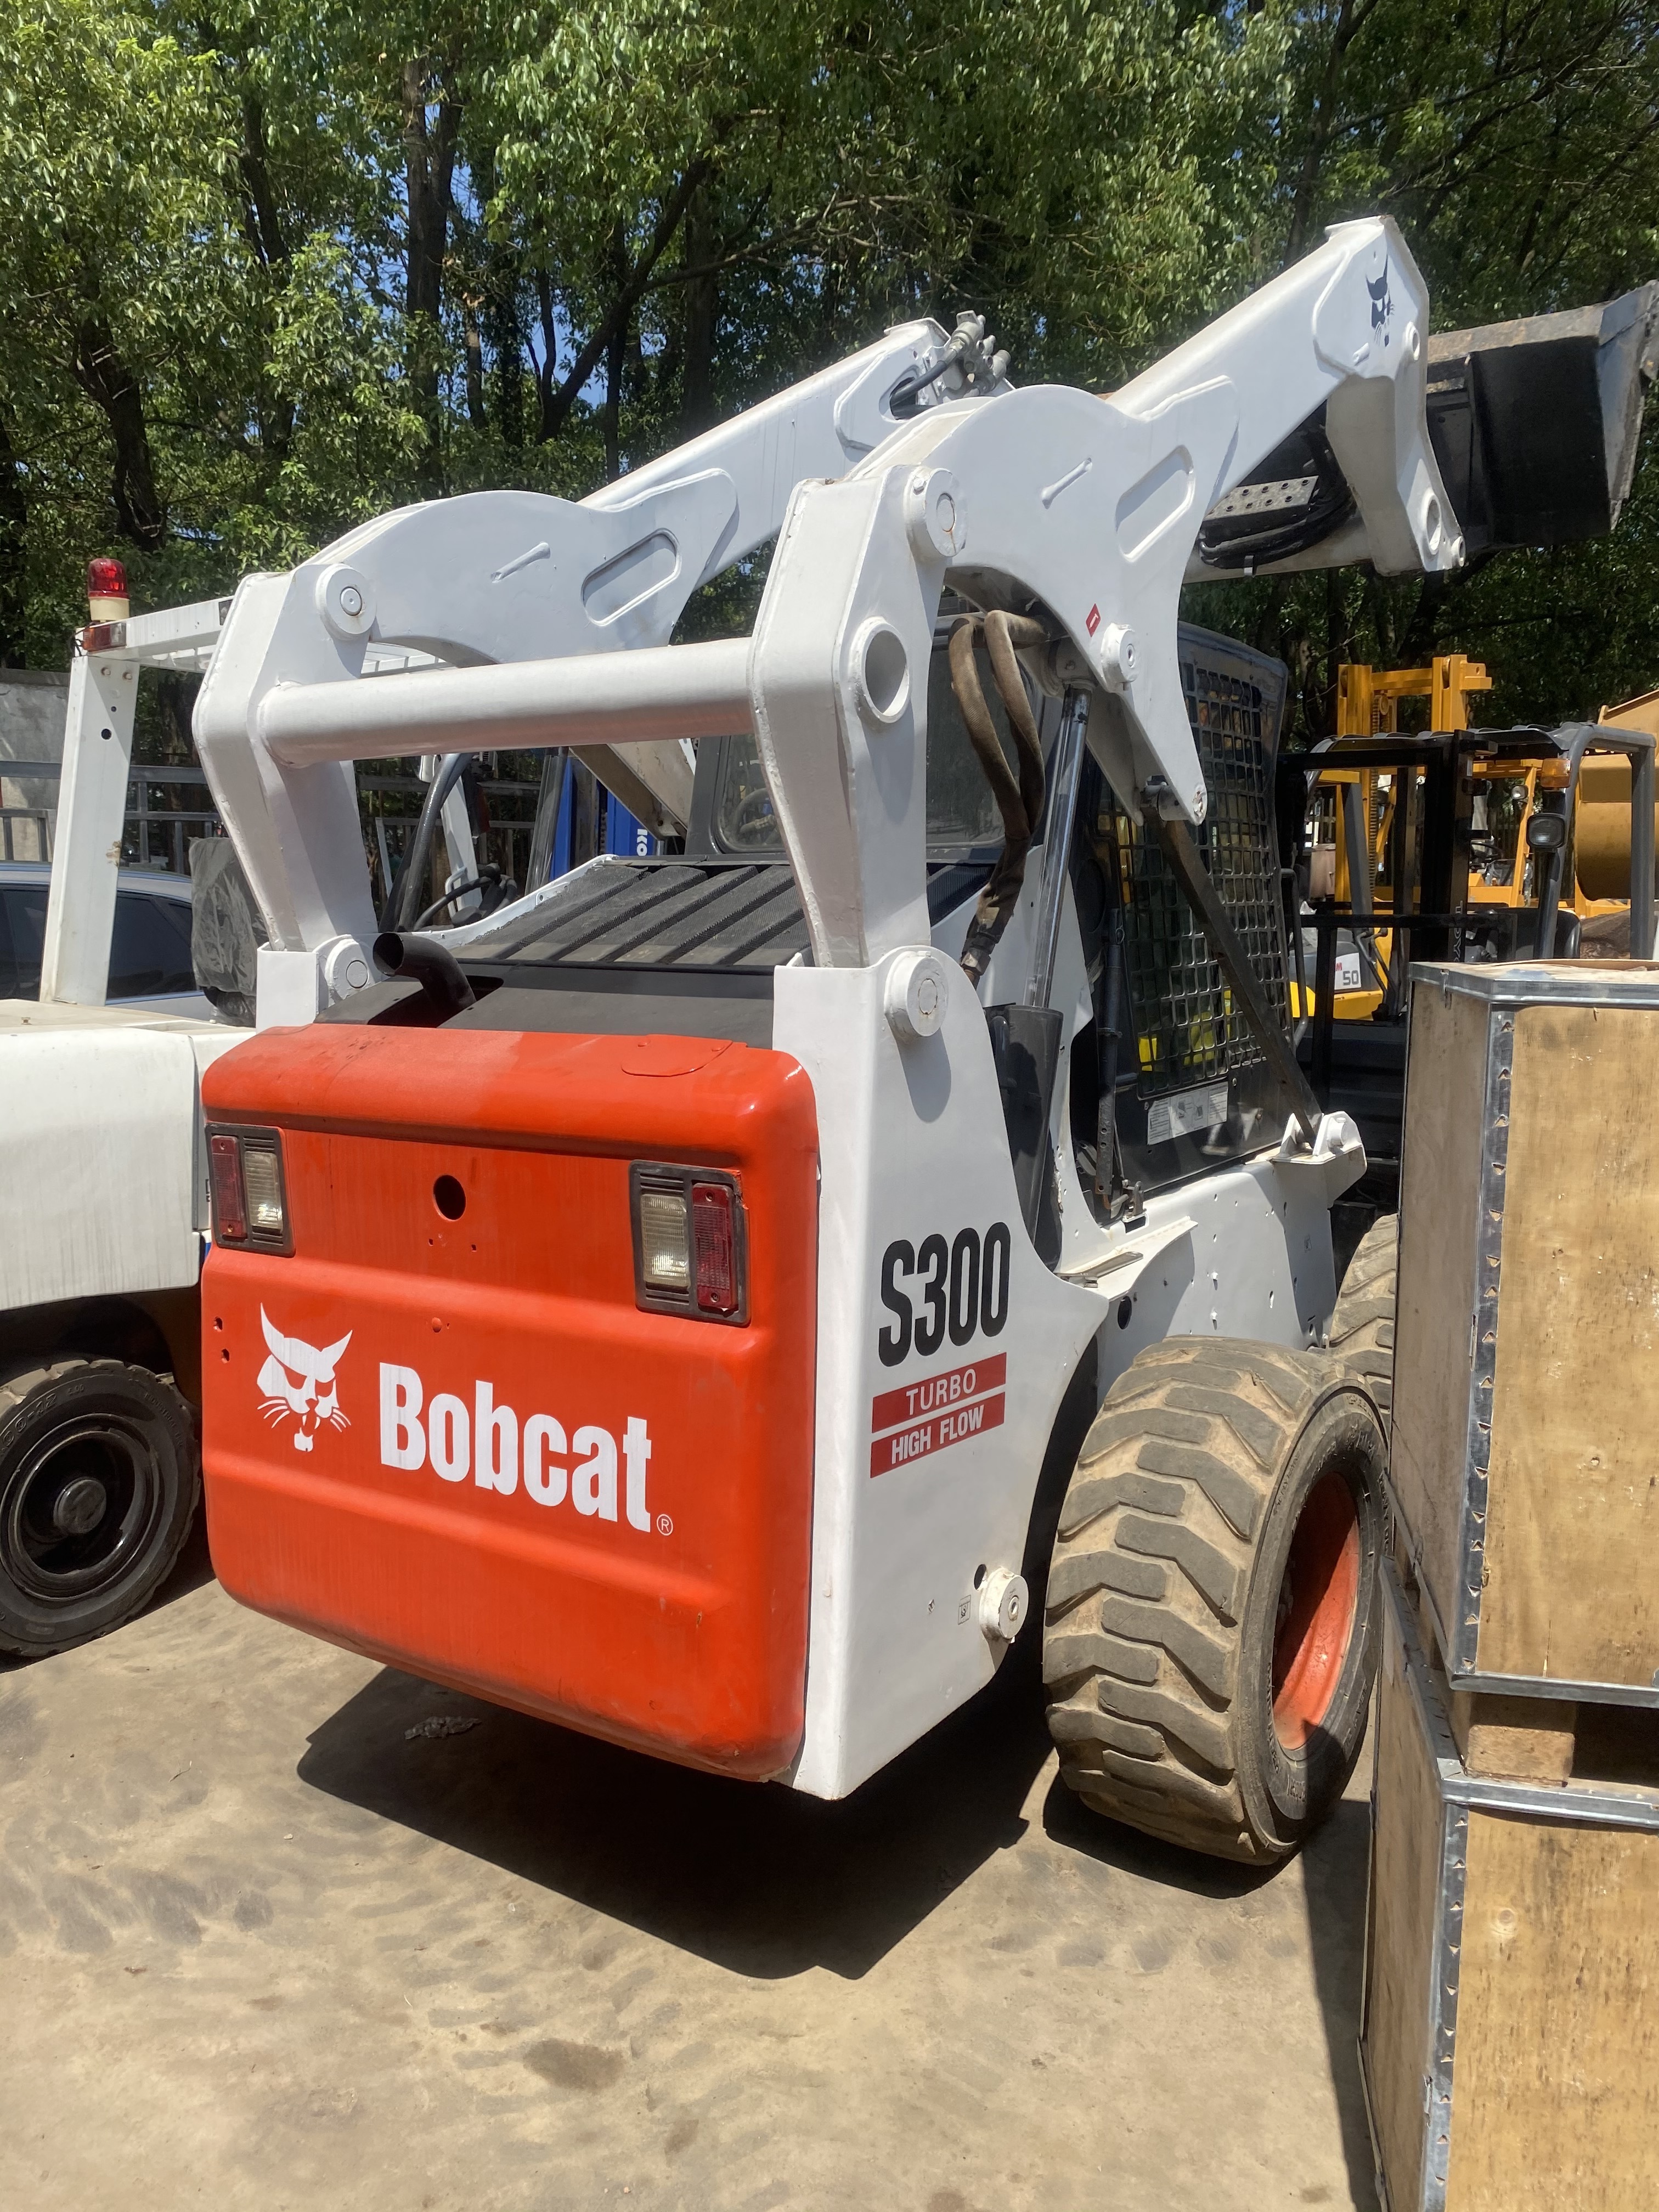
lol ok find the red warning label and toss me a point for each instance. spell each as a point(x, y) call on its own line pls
point(938, 1411)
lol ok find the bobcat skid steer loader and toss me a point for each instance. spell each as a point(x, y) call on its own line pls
point(651, 1306)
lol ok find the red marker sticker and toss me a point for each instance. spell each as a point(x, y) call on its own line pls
point(939, 1410)
point(1092, 621)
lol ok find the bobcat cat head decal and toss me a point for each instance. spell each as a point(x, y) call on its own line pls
point(297, 1379)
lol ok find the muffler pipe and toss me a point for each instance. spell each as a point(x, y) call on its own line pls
point(417, 958)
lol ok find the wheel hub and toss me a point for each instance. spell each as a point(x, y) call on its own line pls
point(80, 1505)
point(1318, 1601)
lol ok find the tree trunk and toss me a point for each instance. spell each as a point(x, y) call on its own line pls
point(14, 555)
point(700, 316)
point(107, 382)
point(428, 173)
point(475, 367)
point(616, 360)
point(1351, 18)
point(261, 213)
point(557, 404)
point(505, 340)
point(262, 221)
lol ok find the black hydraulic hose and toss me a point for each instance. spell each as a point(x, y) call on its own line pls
point(411, 869)
point(1019, 803)
point(423, 960)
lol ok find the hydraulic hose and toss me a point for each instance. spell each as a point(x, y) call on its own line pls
point(1019, 804)
point(406, 885)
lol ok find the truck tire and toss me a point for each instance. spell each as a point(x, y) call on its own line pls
point(1210, 1630)
point(1362, 1326)
point(99, 1477)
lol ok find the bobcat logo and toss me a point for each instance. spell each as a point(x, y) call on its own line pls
point(1382, 304)
point(312, 1397)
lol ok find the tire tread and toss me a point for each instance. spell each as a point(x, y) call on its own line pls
point(21, 1384)
point(1362, 1325)
point(1144, 1733)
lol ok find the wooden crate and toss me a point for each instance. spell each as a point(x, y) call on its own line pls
point(1526, 1399)
point(1509, 2034)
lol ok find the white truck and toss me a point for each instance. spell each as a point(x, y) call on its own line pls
point(104, 1197)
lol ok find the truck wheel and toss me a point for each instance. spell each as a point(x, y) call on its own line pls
point(99, 1480)
point(1210, 1629)
point(1362, 1327)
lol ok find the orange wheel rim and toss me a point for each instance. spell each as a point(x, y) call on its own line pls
point(1318, 1598)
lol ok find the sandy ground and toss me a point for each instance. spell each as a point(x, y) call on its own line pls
point(268, 1939)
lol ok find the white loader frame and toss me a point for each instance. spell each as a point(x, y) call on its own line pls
point(1046, 498)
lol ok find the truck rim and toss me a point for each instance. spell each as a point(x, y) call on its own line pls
point(1318, 1601)
point(79, 1509)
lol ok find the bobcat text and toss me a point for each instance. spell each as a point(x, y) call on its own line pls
point(490, 1443)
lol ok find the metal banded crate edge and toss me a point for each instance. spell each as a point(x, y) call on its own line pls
point(1527, 1340)
point(1505, 2065)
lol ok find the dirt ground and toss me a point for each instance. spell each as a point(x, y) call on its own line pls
point(280, 1928)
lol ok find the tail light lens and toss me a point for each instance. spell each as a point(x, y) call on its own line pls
point(713, 1237)
point(690, 1242)
point(249, 1193)
point(665, 1239)
point(229, 1205)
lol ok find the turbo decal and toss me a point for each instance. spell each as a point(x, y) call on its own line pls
point(938, 1411)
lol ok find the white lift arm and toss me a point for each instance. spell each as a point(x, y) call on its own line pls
point(1047, 498)
point(502, 577)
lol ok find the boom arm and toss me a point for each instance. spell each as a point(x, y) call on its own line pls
point(1092, 509)
point(507, 577)
point(1043, 501)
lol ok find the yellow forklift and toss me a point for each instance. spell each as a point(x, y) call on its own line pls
point(1450, 844)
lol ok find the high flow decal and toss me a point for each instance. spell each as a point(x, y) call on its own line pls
point(925, 1416)
point(489, 1442)
point(959, 1289)
point(313, 1397)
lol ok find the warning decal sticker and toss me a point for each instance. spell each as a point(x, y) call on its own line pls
point(923, 1417)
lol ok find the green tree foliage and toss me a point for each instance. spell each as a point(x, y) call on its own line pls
point(272, 268)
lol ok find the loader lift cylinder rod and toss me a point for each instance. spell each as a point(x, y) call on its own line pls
point(1181, 851)
point(1057, 844)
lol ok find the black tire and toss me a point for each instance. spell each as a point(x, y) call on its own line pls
point(1362, 1325)
point(1207, 1460)
point(99, 1477)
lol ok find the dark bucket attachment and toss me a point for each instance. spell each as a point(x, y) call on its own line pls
point(1535, 423)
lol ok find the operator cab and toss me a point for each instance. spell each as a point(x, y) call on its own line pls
point(686, 943)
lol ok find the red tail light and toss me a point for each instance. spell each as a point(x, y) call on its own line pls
point(229, 1205)
point(690, 1242)
point(250, 1196)
point(715, 1243)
